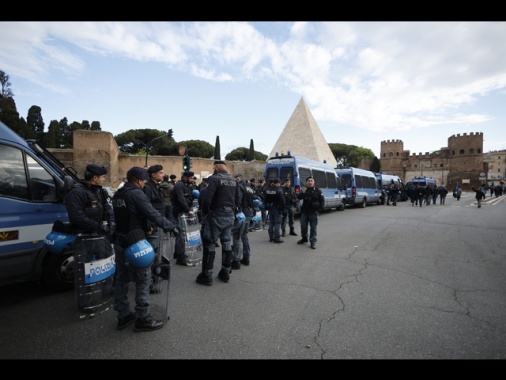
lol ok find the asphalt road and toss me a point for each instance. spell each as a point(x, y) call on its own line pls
point(385, 282)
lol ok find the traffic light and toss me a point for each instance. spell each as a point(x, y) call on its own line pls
point(187, 162)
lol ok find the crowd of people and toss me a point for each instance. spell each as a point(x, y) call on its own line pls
point(150, 202)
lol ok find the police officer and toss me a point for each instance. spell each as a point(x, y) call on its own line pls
point(90, 212)
point(167, 188)
point(275, 205)
point(312, 204)
point(288, 213)
point(218, 212)
point(135, 214)
point(88, 204)
point(244, 200)
point(181, 204)
point(153, 191)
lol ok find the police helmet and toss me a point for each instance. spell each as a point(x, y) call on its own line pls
point(257, 219)
point(258, 203)
point(58, 242)
point(140, 255)
point(195, 193)
point(240, 218)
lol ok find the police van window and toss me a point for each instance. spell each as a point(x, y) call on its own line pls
point(346, 180)
point(271, 174)
point(320, 179)
point(358, 182)
point(303, 174)
point(286, 173)
point(331, 180)
point(42, 184)
point(372, 183)
point(339, 185)
point(12, 173)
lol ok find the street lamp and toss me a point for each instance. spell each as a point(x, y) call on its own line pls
point(149, 144)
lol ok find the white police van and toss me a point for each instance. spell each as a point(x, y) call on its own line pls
point(297, 169)
point(32, 186)
point(361, 186)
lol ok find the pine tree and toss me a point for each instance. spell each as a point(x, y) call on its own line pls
point(217, 153)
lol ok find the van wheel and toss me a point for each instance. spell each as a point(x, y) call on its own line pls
point(364, 203)
point(341, 207)
point(58, 272)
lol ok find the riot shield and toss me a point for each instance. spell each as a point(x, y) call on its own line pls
point(162, 267)
point(95, 266)
point(190, 228)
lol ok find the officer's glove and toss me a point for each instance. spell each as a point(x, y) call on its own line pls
point(112, 228)
point(103, 229)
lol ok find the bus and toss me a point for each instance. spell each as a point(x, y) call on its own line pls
point(361, 186)
point(297, 169)
point(32, 185)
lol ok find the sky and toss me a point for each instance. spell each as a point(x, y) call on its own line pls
point(364, 82)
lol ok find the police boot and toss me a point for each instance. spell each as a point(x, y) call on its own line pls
point(205, 277)
point(282, 232)
point(292, 232)
point(226, 262)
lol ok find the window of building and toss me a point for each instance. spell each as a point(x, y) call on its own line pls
point(461, 151)
point(471, 151)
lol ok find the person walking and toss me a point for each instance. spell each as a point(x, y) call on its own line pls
point(434, 194)
point(182, 201)
point(244, 202)
point(218, 214)
point(457, 193)
point(312, 204)
point(135, 214)
point(275, 205)
point(443, 191)
point(289, 212)
point(480, 194)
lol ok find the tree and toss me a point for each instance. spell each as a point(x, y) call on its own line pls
point(35, 123)
point(375, 165)
point(350, 154)
point(51, 139)
point(135, 142)
point(5, 92)
point(65, 134)
point(251, 153)
point(238, 154)
point(217, 149)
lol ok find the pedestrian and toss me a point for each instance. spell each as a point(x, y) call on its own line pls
point(443, 191)
point(289, 212)
point(421, 194)
point(312, 204)
point(261, 195)
point(153, 191)
point(275, 205)
point(457, 193)
point(428, 195)
point(134, 213)
point(218, 214)
point(434, 194)
point(182, 201)
point(240, 241)
point(90, 212)
point(480, 194)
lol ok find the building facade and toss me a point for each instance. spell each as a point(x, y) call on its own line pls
point(460, 163)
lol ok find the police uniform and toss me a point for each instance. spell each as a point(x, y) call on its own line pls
point(134, 213)
point(218, 212)
point(312, 204)
point(244, 200)
point(288, 214)
point(275, 205)
point(181, 203)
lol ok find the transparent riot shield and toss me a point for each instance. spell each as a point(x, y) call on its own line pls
point(190, 229)
point(95, 266)
point(161, 271)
